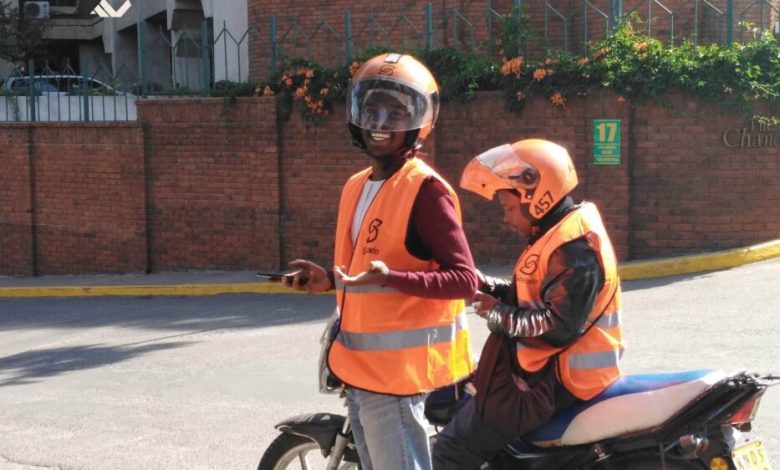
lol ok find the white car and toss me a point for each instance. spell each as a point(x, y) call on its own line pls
point(58, 85)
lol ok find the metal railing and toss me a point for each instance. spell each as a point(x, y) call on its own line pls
point(213, 61)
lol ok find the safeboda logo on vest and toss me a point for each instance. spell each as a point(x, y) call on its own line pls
point(526, 272)
point(105, 10)
point(373, 234)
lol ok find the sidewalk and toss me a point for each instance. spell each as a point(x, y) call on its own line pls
point(192, 283)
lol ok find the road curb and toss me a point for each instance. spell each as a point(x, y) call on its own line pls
point(149, 290)
point(634, 270)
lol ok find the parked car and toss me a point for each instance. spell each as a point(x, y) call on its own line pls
point(58, 85)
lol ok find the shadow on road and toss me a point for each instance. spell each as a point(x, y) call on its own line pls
point(32, 366)
point(165, 313)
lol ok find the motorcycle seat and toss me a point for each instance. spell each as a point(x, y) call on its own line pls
point(632, 403)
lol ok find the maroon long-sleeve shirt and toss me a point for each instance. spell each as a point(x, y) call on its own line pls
point(434, 233)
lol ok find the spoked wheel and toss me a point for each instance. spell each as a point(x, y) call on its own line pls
point(289, 452)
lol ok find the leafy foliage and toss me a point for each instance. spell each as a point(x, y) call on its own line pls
point(21, 37)
point(635, 66)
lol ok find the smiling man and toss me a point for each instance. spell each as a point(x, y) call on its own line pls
point(402, 269)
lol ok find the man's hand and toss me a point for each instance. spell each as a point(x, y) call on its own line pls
point(482, 304)
point(376, 275)
point(316, 277)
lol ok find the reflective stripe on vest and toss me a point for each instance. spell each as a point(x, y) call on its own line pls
point(403, 339)
point(591, 363)
point(596, 360)
point(365, 289)
point(390, 342)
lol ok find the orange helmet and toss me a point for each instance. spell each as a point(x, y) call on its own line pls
point(541, 171)
point(393, 93)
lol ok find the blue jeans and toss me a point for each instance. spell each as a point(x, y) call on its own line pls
point(391, 433)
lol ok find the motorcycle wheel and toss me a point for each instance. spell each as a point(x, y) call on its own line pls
point(653, 462)
point(290, 452)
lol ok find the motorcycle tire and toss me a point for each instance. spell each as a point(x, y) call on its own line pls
point(653, 462)
point(287, 451)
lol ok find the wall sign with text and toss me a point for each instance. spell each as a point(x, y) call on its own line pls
point(606, 141)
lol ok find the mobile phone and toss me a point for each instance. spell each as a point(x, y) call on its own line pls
point(277, 276)
point(271, 275)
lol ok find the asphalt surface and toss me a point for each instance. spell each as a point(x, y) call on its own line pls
point(199, 382)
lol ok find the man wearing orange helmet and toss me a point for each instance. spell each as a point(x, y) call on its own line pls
point(555, 327)
point(402, 269)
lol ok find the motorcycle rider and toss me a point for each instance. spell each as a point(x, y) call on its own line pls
point(555, 326)
point(402, 269)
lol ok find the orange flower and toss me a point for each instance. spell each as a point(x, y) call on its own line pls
point(267, 91)
point(539, 74)
point(309, 73)
point(583, 61)
point(324, 92)
point(558, 99)
point(257, 91)
point(299, 92)
point(287, 80)
point(520, 96)
point(549, 71)
point(550, 61)
point(641, 47)
point(512, 66)
point(621, 99)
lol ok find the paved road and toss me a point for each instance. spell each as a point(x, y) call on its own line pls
point(161, 382)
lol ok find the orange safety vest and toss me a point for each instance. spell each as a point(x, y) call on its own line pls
point(590, 364)
point(390, 342)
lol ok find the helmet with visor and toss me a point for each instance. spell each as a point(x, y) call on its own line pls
point(392, 93)
point(540, 171)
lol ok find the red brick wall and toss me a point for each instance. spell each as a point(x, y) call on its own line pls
point(221, 176)
point(214, 183)
point(88, 199)
point(692, 193)
point(15, 219)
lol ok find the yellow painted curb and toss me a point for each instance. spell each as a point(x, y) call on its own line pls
point(136, 291)
point(635, 270)
point(630, 271)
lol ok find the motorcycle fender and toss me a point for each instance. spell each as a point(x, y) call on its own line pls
point(319, 427)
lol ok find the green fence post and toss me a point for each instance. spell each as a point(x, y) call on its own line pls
point(517, 18)
point(205, 65)
point(272, 43)
point(428, 25)
point(85, 88)
point(347, 36)
point(142, 56)
point(615, 13)
point(729, 21)
point(31, 91)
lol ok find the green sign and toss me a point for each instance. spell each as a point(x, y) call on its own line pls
point(606, 141)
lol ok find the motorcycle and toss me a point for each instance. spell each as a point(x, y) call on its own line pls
point(675, 421)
